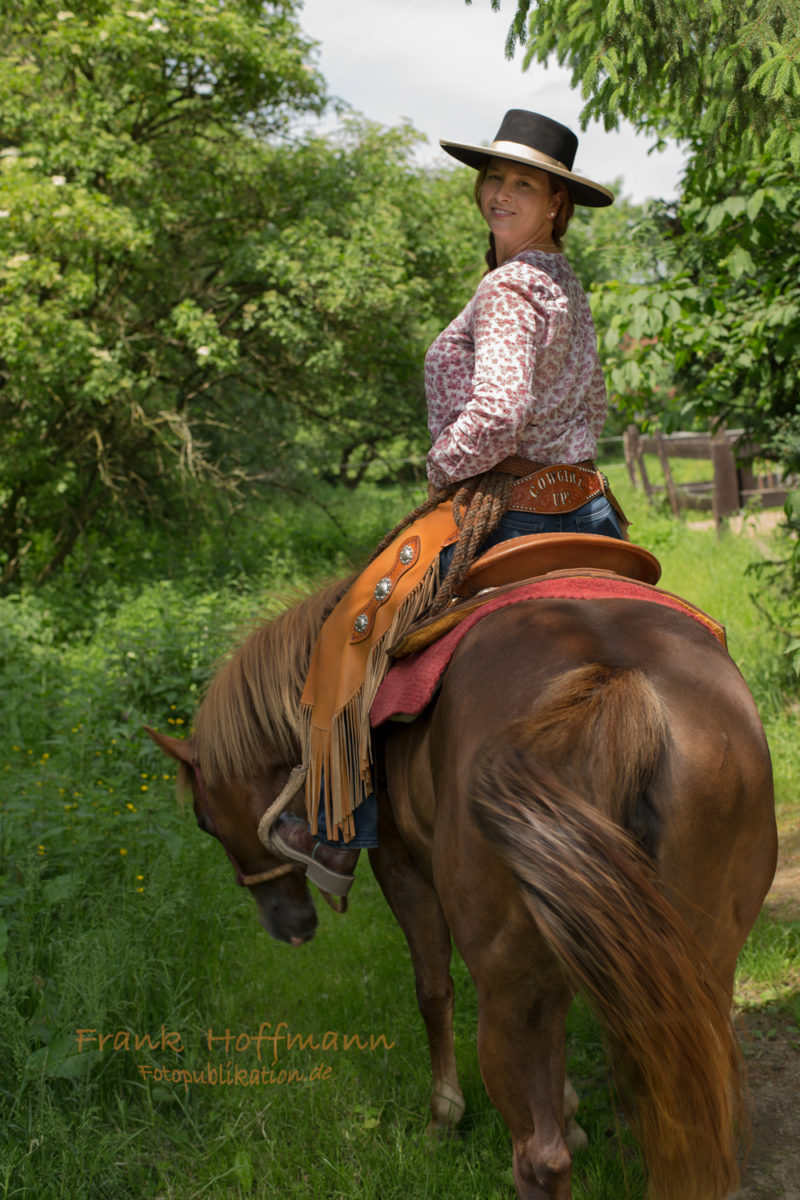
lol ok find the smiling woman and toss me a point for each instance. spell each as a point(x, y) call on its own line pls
point(517, 374)
point(520, 205)
point(513, 385)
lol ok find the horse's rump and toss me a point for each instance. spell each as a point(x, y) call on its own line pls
point(424, 656)
point(563, 794)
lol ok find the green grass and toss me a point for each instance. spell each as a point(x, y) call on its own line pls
point(86, 1124)
point(120, 916)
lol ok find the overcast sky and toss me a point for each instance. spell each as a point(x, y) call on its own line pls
point(441, 64)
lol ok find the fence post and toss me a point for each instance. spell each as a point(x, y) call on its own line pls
point(634, 459)
point(629, 440)
point(672, 491)
point(726, 478)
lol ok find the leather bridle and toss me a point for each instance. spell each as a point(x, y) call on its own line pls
point(241, 878)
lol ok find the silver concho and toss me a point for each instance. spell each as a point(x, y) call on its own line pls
point(407, 554)
point(361, 623)
point(383, 588)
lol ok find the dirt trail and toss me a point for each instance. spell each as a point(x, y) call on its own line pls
point(750, 524)
point(770, 1037)
point(771, 1044)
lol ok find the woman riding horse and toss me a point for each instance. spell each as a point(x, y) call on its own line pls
point(513, 384)
point(586, 804)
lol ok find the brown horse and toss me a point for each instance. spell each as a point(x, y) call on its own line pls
point(586, 805)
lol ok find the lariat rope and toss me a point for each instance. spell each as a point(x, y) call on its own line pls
point(478, 505)
point(295, 781)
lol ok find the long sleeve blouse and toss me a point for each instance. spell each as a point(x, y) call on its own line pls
point(516, 373)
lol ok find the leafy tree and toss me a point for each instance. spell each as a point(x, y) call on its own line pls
point(723, 78)
point(193, 295)
point(721, 327)
point(134, 150)
point(603, 247)
point(600, 242)
point(374, 256)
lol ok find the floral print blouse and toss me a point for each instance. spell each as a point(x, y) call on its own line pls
point(516, 372)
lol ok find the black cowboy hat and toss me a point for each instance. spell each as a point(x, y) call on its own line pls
point(537, 141)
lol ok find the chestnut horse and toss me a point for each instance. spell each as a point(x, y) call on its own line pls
point(587, 804)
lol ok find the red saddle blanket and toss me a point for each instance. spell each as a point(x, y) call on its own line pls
point(412, 681)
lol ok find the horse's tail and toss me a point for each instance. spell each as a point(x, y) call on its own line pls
point(559, 795)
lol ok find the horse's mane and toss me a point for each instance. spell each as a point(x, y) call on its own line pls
point(252, 705)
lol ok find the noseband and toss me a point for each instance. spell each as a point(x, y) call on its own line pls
point(242, 879)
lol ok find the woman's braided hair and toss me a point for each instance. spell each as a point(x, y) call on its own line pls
point(478, 505)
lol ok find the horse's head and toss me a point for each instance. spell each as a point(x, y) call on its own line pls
point(230, 812)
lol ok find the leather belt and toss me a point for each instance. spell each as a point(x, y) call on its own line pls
point(553, 488)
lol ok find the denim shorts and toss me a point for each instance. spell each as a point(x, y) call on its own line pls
point(595, 516)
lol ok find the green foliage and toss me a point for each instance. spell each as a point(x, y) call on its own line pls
point(772, 947)
point(373, 258)
point(779, 578)
point(197, 300)
point(719, 333)
point(722, 77)
point(793, 577)
point(606, 250)
point(133, 151)
point(601, 243)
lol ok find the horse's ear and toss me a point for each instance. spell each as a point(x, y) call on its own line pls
point(181, 749)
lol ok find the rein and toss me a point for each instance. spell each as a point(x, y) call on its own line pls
point(241, 878)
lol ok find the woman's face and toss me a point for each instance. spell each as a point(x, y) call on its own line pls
point(518, 205)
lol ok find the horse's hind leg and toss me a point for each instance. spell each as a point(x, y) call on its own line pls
point(416, 907)
point(521, 1049)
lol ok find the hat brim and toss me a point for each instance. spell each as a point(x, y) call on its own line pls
point(583, 191)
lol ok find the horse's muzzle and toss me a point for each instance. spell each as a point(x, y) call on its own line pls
point(286, 919)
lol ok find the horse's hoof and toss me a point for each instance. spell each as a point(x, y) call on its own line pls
point(436, 1132)
point(447, 1108)
point(575, 1137)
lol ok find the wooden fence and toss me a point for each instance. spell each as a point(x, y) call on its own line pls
point(737, 479)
